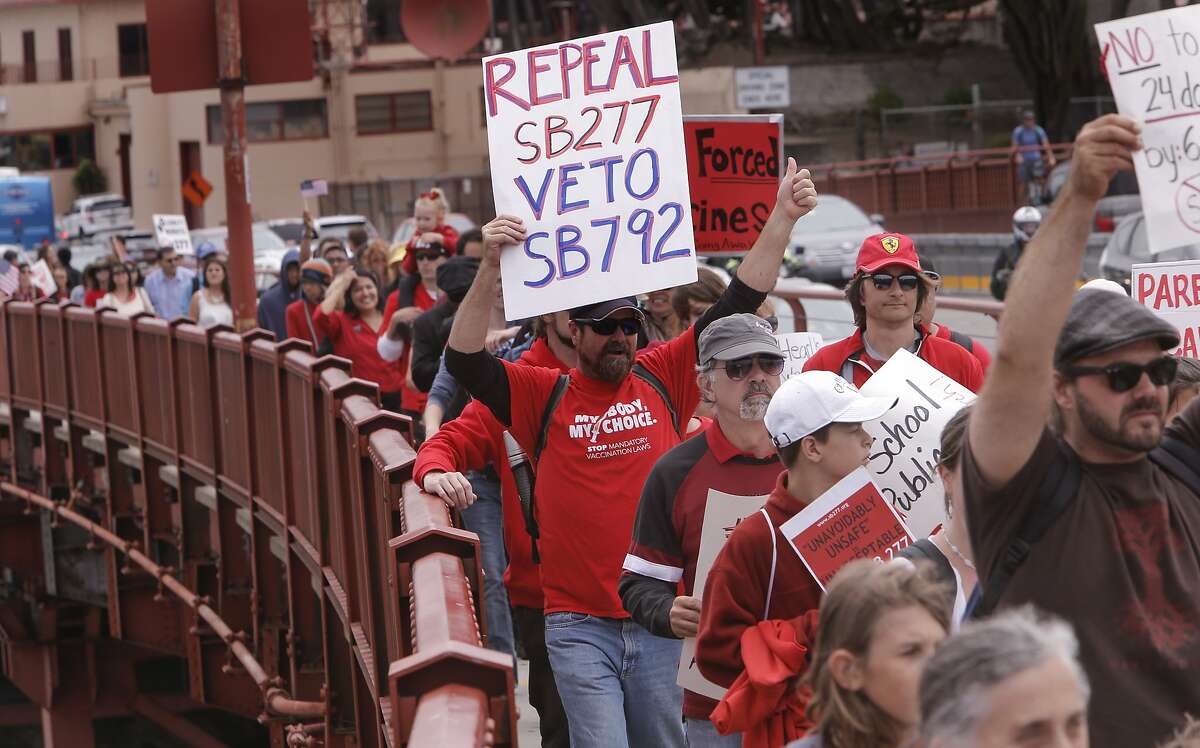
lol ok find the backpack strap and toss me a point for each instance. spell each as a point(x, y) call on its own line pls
point(527, 503)
point(774, 561)
point(1179, 459)
point(1055, 493)
point(963, 340)
point(647, 376)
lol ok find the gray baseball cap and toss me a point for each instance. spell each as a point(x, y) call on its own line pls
point(736, 336)
point(1101, 320)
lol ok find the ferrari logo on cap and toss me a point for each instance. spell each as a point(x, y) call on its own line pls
point(890, 244)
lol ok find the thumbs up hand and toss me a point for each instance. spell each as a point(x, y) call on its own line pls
point(797, 194)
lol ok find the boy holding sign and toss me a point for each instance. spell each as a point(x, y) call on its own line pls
point(601, 428)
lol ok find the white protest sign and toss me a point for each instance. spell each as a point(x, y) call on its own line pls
point(1150, 60)
point(849, 521)
point(172, 231)
point(586, 146)
point(722, 513)
point(797, 348)
point(1172, 290)
point(43, 277)
point(905, 453)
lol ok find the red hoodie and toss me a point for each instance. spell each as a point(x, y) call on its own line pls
point(299, 317)
point(949, 358)
point(976, 348)
point(449, 241)
point(471, 442)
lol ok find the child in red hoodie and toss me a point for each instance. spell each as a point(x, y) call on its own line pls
point(429, 215)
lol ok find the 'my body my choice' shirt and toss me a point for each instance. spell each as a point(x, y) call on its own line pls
point(603, 440)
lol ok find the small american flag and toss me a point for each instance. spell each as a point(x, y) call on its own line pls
point(314, 188)
point(10, 278)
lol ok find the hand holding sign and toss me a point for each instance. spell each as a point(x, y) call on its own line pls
point(797, 193)
point(1104, 147)
point(499, 231)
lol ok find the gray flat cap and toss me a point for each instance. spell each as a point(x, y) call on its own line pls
point(1100, 321)
point(736, 336)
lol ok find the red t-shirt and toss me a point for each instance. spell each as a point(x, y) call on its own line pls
point(411, 399)
point(354, 339)
point(848, 358)
point(299, 318)
point(92, 297)
point(603, 441)
point(977, 350)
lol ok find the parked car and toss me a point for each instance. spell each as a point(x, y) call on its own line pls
point(263, 238)
point(1129, 245)
point(460, 222)
point(94, 213)
point(291, 230)
point(824, 244)
point(1121, 199)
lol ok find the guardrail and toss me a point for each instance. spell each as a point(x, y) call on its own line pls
point(241, 507)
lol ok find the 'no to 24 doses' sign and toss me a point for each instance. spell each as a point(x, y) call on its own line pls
point(586, 145)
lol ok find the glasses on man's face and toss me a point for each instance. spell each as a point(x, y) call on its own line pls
point(883, 281)
point(607, 326)
point(428, 256)
point(1123, 376)
point(170, 260)
point(739, 368)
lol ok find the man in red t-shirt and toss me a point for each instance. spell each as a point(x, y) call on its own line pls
point(734, 462)
point(885, 293)
point(616, 416)
point(815, 422)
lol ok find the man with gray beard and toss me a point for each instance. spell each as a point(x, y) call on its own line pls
point(738, 371)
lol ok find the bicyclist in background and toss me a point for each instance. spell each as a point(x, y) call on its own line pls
point(1029, 139)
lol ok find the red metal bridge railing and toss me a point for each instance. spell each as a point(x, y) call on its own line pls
point(237, 505)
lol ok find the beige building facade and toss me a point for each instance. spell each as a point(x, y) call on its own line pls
point(74, 83)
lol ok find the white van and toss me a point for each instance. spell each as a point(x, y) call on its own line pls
point(93, 213)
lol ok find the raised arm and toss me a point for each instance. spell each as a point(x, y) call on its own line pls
point(336, 294)
point(1011, 412)
point(796, 197)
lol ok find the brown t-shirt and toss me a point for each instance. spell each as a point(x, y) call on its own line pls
point(1122, 565)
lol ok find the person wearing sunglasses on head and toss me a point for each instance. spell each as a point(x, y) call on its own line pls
point(594, 435)
point(885, 293)
point(927, 310)
point(1080, 498)
point(738, 372)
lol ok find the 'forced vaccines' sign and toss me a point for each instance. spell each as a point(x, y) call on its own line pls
point(586, 144)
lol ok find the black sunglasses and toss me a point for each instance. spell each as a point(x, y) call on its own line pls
point(739, 368)
point(607, 326)
point(1124, 376)
point(883, 281)
point(428, 255)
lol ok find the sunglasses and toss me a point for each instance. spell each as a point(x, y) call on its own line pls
point(1124, 376)
point(428, 256)
point(607, 326)
point(739, 368)
point(883, 281)
point(933, 276)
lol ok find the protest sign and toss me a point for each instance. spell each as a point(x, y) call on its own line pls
point(43, 278)
point(797, 348)
point(1172, 290)
point(722, 513)
point(849, 521)
point(907, 443)
point(314, 188)
point(1150, 60)
point(172, 231)
point(733, 175)
point(586, 145)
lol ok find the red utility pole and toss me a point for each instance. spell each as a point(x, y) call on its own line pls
point(237, 193)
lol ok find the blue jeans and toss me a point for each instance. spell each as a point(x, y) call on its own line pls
point(485, 519)
point(703, 734)
point(617, 682)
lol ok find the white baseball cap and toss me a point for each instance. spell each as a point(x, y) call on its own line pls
point(812, 400)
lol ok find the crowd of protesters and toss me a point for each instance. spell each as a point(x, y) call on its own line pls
point(1058, 604)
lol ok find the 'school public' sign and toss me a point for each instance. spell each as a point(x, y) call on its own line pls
point(586, 146)
point(734, 168)
point(1153, 66)
point(1172, 290)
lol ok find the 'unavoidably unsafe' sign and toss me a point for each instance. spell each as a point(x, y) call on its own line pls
point(1153, 66)
point(586, 146)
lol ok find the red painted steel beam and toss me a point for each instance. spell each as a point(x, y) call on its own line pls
point(442, 603)
point(452, 715)
point(187, 732)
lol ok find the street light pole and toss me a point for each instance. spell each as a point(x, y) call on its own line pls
point(232, 84)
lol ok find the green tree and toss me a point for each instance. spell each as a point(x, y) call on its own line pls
point(88, 179)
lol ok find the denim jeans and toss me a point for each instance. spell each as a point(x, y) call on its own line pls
point(484, 518)
point(617, 682)
point(703, 734)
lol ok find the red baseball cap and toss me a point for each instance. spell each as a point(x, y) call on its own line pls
point(882, 250)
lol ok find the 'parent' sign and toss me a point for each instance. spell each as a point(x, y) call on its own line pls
point(1172, 290)
point(1150, 60)
point(586, 143)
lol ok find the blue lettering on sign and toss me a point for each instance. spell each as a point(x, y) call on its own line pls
point(565, 180)
point(571, 245)
point(535, 205)
point(535, 256)
point(654, 180)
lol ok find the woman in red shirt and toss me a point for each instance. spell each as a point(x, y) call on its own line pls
point(100, 275)
point(350, 317)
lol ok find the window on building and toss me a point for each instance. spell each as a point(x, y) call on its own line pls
point(29, 49)
point(133, 48)
point(66, 65)
point(408, 111)
point(383, 22)
point(50, 149)
point(271, 121)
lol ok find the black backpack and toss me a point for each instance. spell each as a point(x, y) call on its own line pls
point(1058, 489)
point(560, 388)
